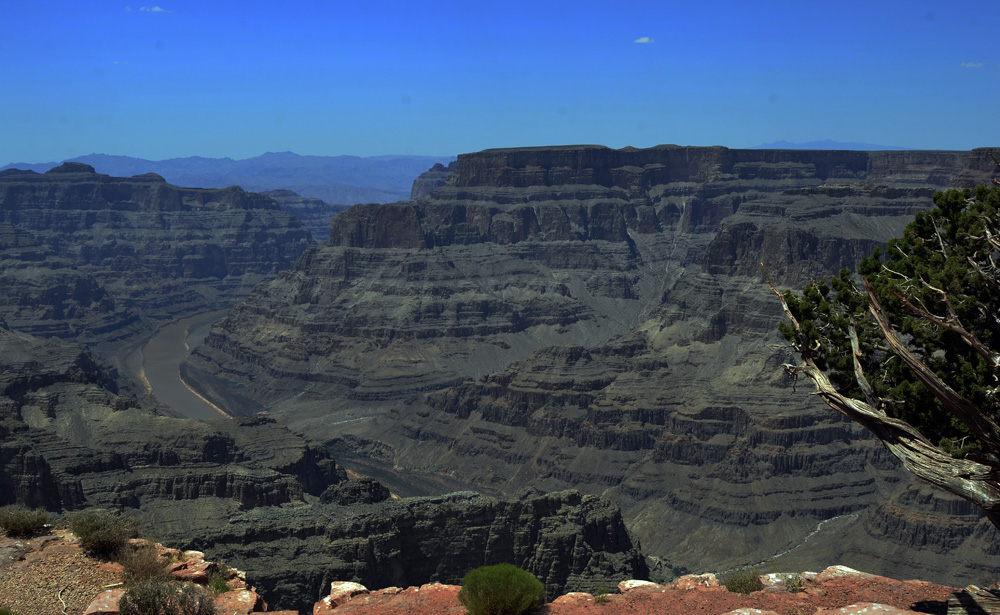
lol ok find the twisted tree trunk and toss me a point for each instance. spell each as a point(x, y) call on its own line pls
point(974, 479)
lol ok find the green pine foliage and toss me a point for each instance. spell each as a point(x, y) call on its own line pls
point(946, 249)
point(219, 585)
point(503, 589)
point(601, 594)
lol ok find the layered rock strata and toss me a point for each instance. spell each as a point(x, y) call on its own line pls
point(154, 248)
point(71, 441)
point(266, 499)
point(570, 542)
point(315, 214)
point(435, 177)
point(46, 295)
point(594, 318)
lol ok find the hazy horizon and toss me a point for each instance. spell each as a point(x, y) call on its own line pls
point(821, 144)
point(174, 79)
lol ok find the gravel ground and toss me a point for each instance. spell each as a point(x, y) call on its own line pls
point(50, 575)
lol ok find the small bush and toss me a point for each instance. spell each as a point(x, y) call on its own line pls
point(219, 585)
point(151, 597)
point(5, 611)
point(503, 589)
point(160, 596)
point(600, 594)
point(20, 521)
point(191, 601)
point(745, 580)
point(102, 534)
point(141, 565)
point(794, 583)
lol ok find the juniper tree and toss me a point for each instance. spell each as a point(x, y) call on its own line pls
point(909, 345)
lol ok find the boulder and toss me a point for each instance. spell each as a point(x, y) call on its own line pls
point(106, 602)
point(239, 602)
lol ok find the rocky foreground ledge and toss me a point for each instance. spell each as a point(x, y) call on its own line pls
point(50, 575)
point(837, 590)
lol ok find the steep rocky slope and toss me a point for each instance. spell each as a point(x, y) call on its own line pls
point(46, 295)
point(594, 318)
point(153, 249)
point(265, 498)
point(435, 177)
point(70, 440)
point(569, 542)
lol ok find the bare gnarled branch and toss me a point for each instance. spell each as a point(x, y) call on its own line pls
point(972, 480)
point(979, 424)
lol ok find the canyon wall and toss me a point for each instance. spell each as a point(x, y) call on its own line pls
point(589, 318)
point(139, 248)
point(268, 500)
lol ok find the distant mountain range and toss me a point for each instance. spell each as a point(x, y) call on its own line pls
point(335, 179)
point(828, 144)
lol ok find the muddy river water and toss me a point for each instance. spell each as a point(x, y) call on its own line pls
point(161, 359)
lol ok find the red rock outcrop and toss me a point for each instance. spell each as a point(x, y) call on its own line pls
point(837, 590)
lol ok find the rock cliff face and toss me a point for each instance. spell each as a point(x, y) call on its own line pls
point(153, 248)
point(314, 213)
point(570, 542)
point(70, 441)
point(45, 295)
point(266, 498)
point(594, 318)
point(435, 177)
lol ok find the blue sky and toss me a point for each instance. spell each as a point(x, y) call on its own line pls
point(169, 78)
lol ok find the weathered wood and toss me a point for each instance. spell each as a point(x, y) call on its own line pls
point(974, 601)
point(976, 480)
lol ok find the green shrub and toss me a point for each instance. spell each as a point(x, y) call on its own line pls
point(20, 521)
point(102, 534)
point(745, 580)
point(601, 594)
point(151, 597)
point(5, 611)
point(794, 583)
point(141, 565)
point(161, 596)
point(503, 589)
point(192, 601)
point(219, 585)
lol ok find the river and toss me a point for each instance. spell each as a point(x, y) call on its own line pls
point(161, 359)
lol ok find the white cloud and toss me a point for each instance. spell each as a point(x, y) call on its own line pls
point(971, 64)
point(154, 9)
point(643, 39)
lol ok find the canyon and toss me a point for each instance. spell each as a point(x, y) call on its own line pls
point(597, 319)
point(95, 265)
point(562, 357)
point(104, 260)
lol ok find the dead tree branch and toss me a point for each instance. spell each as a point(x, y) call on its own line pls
point(974, 481)
point(979, 424)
